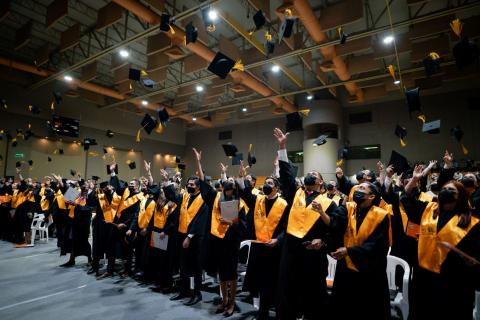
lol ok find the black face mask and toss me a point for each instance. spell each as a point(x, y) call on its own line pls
point(191, 190)
point(434, 187)
point(131, 189)
point(267, 189)
point(446, 196)
point(330, 187)
point(358, 197)
point(309, 180)
point(228, 186)
point(468, 182)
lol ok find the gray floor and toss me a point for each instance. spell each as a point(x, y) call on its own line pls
point(32, 286)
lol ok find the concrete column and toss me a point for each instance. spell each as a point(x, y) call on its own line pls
point(322, 158)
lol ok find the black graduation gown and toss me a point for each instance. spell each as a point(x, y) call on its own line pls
point(6, 227)
point(451, 293)
point(302, 275)
point(363, 294)
point(101, 231)
point(23, 217)
point(60, 219)
point(191, 259)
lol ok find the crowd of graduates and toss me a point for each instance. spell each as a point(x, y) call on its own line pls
point(428, 216)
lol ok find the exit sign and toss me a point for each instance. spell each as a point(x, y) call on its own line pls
point(19, 155)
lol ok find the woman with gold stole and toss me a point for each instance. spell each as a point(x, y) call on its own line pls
point(80, 216)
point(304, 264)
point(225, 236)
point(24, 204)
point(266, 225)
point(360, 277)
point(158, 221)
point(59, 209)
point(443, 285)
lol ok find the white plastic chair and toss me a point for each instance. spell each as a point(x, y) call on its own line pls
point(43, 229)
point(476, 311)
point(401, 298)
point(332, 267)
point(35, 226)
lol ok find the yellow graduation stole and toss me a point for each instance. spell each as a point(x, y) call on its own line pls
point(336, 198)
point(5, 199)
point(352, 238)
point(44, 202)
point(126, 203)
point(71, 209)
point(431, 254)
point(350, 195)
point(412, 229)
point(265, 225)
point(220, 229)
point(14, 199)
point(302, 218)
point(108, 208)
point(187, 214)
point(160, 216)
point(255, 191)
point(388, 207)
point(60, 200)
point(22, 197)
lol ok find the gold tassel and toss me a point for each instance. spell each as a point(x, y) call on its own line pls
point(93, 154)
point(172, 31)
point(138, 134)
point(185, 41)
point(250, 33)
point(464, 149)
point(128, 162)
point(304, 112)
point(2, 131)
point(422, 118)
point(130, 86)
point(339, 162)
point(268, 36)
point(250, 147)
point(55, 151)
point(391, 70)
point(288, 12)
point(434, 55)
point(159, 128)
point(403, 143)
point(52, 105)
point(143, 73)
point(29, 126)
point(457, 27)
point(239, 66)
point(30, 107)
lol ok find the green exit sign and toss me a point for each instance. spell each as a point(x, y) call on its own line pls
point(19, 155)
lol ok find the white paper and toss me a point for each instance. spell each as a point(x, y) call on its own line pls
point(158, 243)
point(229, 209)
point(71, 194)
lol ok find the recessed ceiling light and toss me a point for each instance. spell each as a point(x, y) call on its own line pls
point(275, 68)
point(309, 97)
point(194, 118)
point(212, 15)
point(144, 102)
point(67, 78)
point(388, 39)
point(396, 82)
point(199, 88)
point(244, 109)
point(124, 53)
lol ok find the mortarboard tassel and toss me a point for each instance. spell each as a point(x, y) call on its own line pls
point(457, 27)
point(391, 70)
point(159, 128)
point(402, 143)
point(339, 162)
point(422, 118)
point(52, 105)
point(239, 66)
point(130, 86)
point(143, 73)
point(185, 41)
point(30, 107)
point(138, 135)
point(93, 154)
point(288, 12)
point(55, 151)
point(434, 55)
point(304, 112)
point(268, 36)
point(464, 149)
point(29, 126)
point(172, 31)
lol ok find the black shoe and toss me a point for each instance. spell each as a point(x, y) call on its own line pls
point(179, 296)
point(68, 264)
point(196, 298)
point(221, 309)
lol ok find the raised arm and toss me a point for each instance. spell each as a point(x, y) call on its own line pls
point(147, 166)
point(287, 177)
point(245, 192)
point(446, 174)
point(198, 159)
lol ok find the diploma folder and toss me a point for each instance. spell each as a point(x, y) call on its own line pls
point(229, 209)
point(158, 243)
point(71, 194)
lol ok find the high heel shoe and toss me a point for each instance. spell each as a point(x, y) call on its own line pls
point(221, 308)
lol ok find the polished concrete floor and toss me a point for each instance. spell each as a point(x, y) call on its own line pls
point(34, 287)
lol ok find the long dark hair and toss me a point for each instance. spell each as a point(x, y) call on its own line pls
point(462, 207)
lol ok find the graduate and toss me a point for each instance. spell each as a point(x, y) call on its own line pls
point(360, 276)
point(6, 191)
point(303, 266)
point(225, 236)
point(194, 214)
point(443, 285)
point(23, 201)
point(266, 224)
point(59, 209)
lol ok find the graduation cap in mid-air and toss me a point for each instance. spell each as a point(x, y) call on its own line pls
point(250, 157)
point(166, 22)
point(178, 159)
point(221, 65)
point(57, 97)
point(30, 163)
point(286, 28)
point(73, 172)
point(294, 122)
point(191, 33)
point(60, 151)
point(148, 124)
point(401, 133)
point(181, 166)
point(105, 151)
point(163, 115)
point(432, 127)
point(236, 159)
point(87, 142)
point(321, 140)
point(18, 164)
point(413, 100)
point(230, 150)
point(399, 162)
point(132, 165)
point(115, 169)
point(342, 35)
point(34, 109)
point(110, 133)
point(342, 154)
point(134, 74)
point(49, 159)
point(431, 64)
point(14, 142)
point(3, 103)
point(458, 133)
point(259, 20)
point(465, 53)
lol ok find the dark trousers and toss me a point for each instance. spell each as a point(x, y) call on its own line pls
point(190, 263)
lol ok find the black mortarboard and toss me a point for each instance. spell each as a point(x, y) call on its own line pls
point(132, 165)
point(87, 142)
point(110, 172)
point(134, 74)
point(259, 19)
point(465, 53)
point(73, 172)
point(250, 157)
point(413, 99)
point(165, 22)
point(230, 150)
point(105, 150)
point(110, 133)
point(18, 164)
point(431, 64)
point(236, 159)
point(60, 151)
point(191, 33)
point(103, 184)
point(399, 162)
point(320, 140)
point(181, 166)
point(432, 127)
point(342, 35)
point(270, 46)
point(178, 159)
point(342, 153)
point(457, 133)
point(30, 163)
point(400, 132)
point(49, 159)
point(286, 29)
point(163, 115)
point(9, 135)
point(294, 122)
point(149, 123)
point(95, 178)
point(57, 96)
point(221, 65)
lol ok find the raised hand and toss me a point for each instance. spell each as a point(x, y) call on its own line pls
point(390, 171)
point(112, 167)
point(380, 166)
point(164, 174)
point(432, 163)
point(448, 159)
point(223, 168)
point(281, 137)
point(417, 172)
point(242, 172)
point(147, 165)
point(198, 154)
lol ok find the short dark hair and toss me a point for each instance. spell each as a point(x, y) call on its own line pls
point(195, 179)
point(276, 182)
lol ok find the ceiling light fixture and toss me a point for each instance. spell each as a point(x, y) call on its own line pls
point(194, 118)
point(388, 39)
point(199, 88)
point(124, 53)
point(144, 102)
point(309, 97)
point(68, 78)
point(212, 15)
point(244, 109)
point(396, 82)
point(275, 68)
